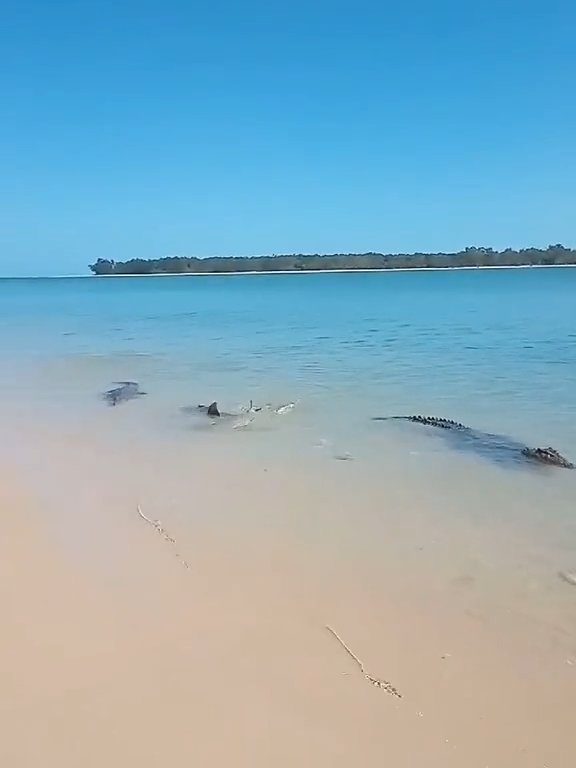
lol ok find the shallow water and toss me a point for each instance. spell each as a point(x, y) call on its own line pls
point(492, 349)
point(438, 558)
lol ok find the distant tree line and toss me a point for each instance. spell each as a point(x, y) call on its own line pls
point(469, 257)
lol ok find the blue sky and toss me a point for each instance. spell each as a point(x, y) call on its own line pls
point(153, 128)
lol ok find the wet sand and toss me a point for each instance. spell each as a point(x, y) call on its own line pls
point(113, 653)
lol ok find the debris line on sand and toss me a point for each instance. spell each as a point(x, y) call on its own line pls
point(388, 687)
point(157, 525)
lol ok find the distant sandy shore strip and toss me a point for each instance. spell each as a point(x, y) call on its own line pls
point(308, 271)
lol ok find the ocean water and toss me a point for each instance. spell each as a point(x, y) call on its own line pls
point(495, 349)
point(438, 562)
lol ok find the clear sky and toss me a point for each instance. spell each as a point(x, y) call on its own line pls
point(138, 128)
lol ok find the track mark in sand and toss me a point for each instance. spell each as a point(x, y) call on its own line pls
point(384, 684)
point(388, 687)
point(161, 531)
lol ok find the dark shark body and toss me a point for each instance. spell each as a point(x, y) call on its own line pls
point(212, 410)
point(124, 391)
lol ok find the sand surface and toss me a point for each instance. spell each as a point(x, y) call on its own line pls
point(112, 653)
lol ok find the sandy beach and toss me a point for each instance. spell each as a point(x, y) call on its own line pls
point(113, 652)
point(254, 520)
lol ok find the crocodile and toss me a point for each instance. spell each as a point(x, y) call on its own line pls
point(429, 421)
point(547, 456)
point(496, 447)
point(125, 390)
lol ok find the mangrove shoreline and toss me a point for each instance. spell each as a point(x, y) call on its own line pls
point(469, 258)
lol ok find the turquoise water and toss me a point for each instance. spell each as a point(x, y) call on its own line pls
point(494, 349)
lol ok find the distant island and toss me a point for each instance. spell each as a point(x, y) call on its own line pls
point(473, 256)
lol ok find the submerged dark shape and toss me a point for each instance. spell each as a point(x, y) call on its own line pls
point(125, 390)
point(498, 448)
point(568, 576)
